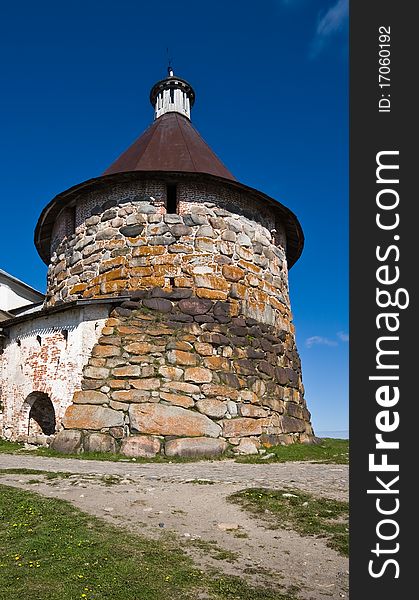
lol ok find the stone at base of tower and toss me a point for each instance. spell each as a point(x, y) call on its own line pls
point(176, 374)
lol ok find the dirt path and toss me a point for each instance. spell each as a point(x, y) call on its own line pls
point(189, 500)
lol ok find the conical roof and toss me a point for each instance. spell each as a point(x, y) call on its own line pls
point(171, 143)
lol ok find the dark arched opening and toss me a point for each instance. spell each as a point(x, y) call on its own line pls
point(41, 414)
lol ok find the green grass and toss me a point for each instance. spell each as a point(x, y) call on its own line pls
point(50, 550)
point(17, 448)
point(9, 447)
point(302, 512)
point(329, 450)
point(48, 474)
point(212, 549)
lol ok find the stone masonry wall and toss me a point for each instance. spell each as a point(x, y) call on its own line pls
point(135, 245)
point(186, 375)
point(203, 357)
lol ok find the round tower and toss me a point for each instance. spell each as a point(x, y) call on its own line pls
point(198, 353)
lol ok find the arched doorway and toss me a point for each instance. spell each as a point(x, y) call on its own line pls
point(40, 414)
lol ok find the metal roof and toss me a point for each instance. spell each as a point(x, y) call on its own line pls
point(171, 143)
point(21, 283)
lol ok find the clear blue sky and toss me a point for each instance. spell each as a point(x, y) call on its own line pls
point(271, 82)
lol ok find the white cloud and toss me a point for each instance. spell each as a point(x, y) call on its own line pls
point(329, 24)
point(343, 336)
point(334, 19)
point(319, 340)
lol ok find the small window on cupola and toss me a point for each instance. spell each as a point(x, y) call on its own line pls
point(171, 199)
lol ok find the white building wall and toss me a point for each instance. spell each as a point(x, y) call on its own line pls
point(49, 363)
point(12, 297)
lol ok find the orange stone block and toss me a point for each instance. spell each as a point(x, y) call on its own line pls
point(184, 281)
point(211, 294)
point(150, 282)
point(91, 292)
point(271, 289)
point(145, 384)
point(128, 329)
point(179, 357)
point(106, 351)
point(223, 391)
point(149, 250)
point(160, 419)
point(275, 303)
point(248, 266)
point(131, 396)
point(118, 261)
point(166, 259)
point(108, 331)
point(141, 271)
point(166, 270)
point(213, 282)
point(127, 371)
point(217, 363)
point(112, 322)
point(260, 296)
point(118, 384)
point(79, 287)
point(204, 349)
point(89, 416)
point(114, 286)
point(138, 348)
point(252, 280)
point(181, 386)
point(232, 273)
point(112, 243)
point(198, 375)
point(239, 290)
point(177, 399)
point(109, 276)
point(242, 426)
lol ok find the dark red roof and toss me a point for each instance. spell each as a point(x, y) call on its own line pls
point(171, 143)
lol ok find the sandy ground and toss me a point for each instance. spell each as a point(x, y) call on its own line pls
point(189, 501)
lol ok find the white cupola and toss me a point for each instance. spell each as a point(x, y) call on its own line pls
point(172, 95)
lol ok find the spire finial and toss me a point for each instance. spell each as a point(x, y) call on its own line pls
point(169, 64)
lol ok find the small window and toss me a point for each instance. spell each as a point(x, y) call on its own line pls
point(171, 202)
point(70, 221)
point(172, 95)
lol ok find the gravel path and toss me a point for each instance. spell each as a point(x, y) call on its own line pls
point(323, 480)
point(157, 499)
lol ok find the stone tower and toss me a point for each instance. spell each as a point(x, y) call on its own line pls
point(193, 348)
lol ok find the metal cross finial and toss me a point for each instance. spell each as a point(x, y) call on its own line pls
point(169, 64)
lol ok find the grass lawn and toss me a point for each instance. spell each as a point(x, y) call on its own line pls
point(328, 451)
point(302, 512)
point(50, 550)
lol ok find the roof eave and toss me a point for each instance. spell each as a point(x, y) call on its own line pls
point(295, 236)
